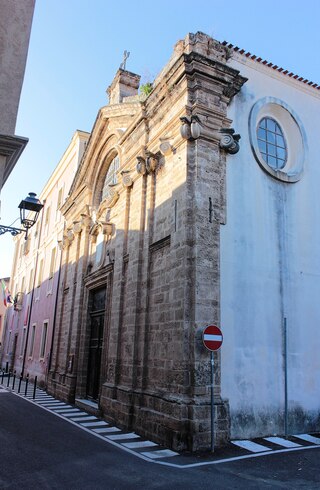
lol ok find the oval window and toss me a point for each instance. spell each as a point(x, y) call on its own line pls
point(271, 143)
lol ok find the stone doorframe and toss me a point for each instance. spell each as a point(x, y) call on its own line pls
point(101, 278)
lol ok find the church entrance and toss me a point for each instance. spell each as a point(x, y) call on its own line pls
point(96, 313)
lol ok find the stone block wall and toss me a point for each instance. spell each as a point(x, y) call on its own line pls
point(160, 264)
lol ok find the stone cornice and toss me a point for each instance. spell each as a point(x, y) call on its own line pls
point(229, 78)
point(11, 148)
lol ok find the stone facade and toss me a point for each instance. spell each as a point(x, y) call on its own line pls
point(168, 227)
point(15, 26)
point(153, 244)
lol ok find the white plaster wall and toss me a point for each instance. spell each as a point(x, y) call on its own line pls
point(270, 268)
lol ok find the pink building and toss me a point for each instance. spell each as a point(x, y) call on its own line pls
point(35, 275)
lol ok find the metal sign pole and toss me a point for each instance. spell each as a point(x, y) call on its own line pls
point(285, 341)
point(212, 339)
point(212, 402)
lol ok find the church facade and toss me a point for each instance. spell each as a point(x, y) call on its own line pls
point(195, 205)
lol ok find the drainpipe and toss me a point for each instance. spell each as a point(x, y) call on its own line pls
point(32, 293)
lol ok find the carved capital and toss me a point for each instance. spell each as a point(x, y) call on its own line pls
point(86, 220)
point(102, 227)
point(67, 239)
point(77, 227)
point(107, 229)
point(229, 141)
point(113, 196)
point(165, 146)
point(126, 178)
point(190, 128)
point(141, 166)
point(152, 162)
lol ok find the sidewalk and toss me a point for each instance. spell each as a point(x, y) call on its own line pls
point(147, 449)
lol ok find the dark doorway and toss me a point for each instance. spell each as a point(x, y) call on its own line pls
point(97, 303)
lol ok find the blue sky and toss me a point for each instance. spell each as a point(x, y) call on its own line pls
point(76, 48)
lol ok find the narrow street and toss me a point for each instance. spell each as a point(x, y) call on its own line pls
point(40, 449)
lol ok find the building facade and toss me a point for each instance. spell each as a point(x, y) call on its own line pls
point(35, 275)
point(173, 223)
point(15, 27)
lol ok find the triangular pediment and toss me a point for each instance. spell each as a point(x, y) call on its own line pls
point(112, 125)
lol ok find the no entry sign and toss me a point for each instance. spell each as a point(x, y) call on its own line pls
point(212, 337)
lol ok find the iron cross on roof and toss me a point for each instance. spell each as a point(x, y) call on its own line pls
point(126, 55)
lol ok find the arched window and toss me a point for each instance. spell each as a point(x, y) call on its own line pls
point(111, 177)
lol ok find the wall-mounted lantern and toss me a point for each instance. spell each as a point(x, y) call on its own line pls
point(30, 208)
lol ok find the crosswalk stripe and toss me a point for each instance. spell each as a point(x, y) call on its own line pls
point(281, 442)
point(118, 437)
point(308, 438)
point(162, 453)
point(83, 418)
point(101, 430)
point(251, 446)
point(139, 444)
point(52, 404)
point(71, 413)
point(93, 424)
point(67, 408)
point(112, 429)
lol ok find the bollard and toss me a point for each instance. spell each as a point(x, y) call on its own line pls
point(2, 376)
point(35, 387)
point(8, 382)
point(7, 366)
point(20, 381)
point(27, 381)
point(14, 379)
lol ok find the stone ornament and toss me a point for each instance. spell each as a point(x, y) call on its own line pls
point(113, 196)
point(185, 129)
point(190, 128)
point(77, 227)
point(141, 166)
point(165, 147)
point(151, 162)
point(127, 180)
point(229, 141)
point(70, 235)
point(102, 227)
point(147, 165)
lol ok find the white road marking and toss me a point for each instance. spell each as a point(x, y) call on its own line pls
point(139, 444)
point(308, 438)
point(251, 446)
point(112, 429)
point(84, 418)
point(118, 437)
point(101, 430)
point(52, 404)
point(93, 424)
point(74, 411)
point(72, 414)
point(162, 453)
point(146, 456)
point(282, 442)
point(43, 397)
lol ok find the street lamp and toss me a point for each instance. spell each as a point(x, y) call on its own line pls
point(30, 208)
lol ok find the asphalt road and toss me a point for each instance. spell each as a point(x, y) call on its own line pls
point(39, 450)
